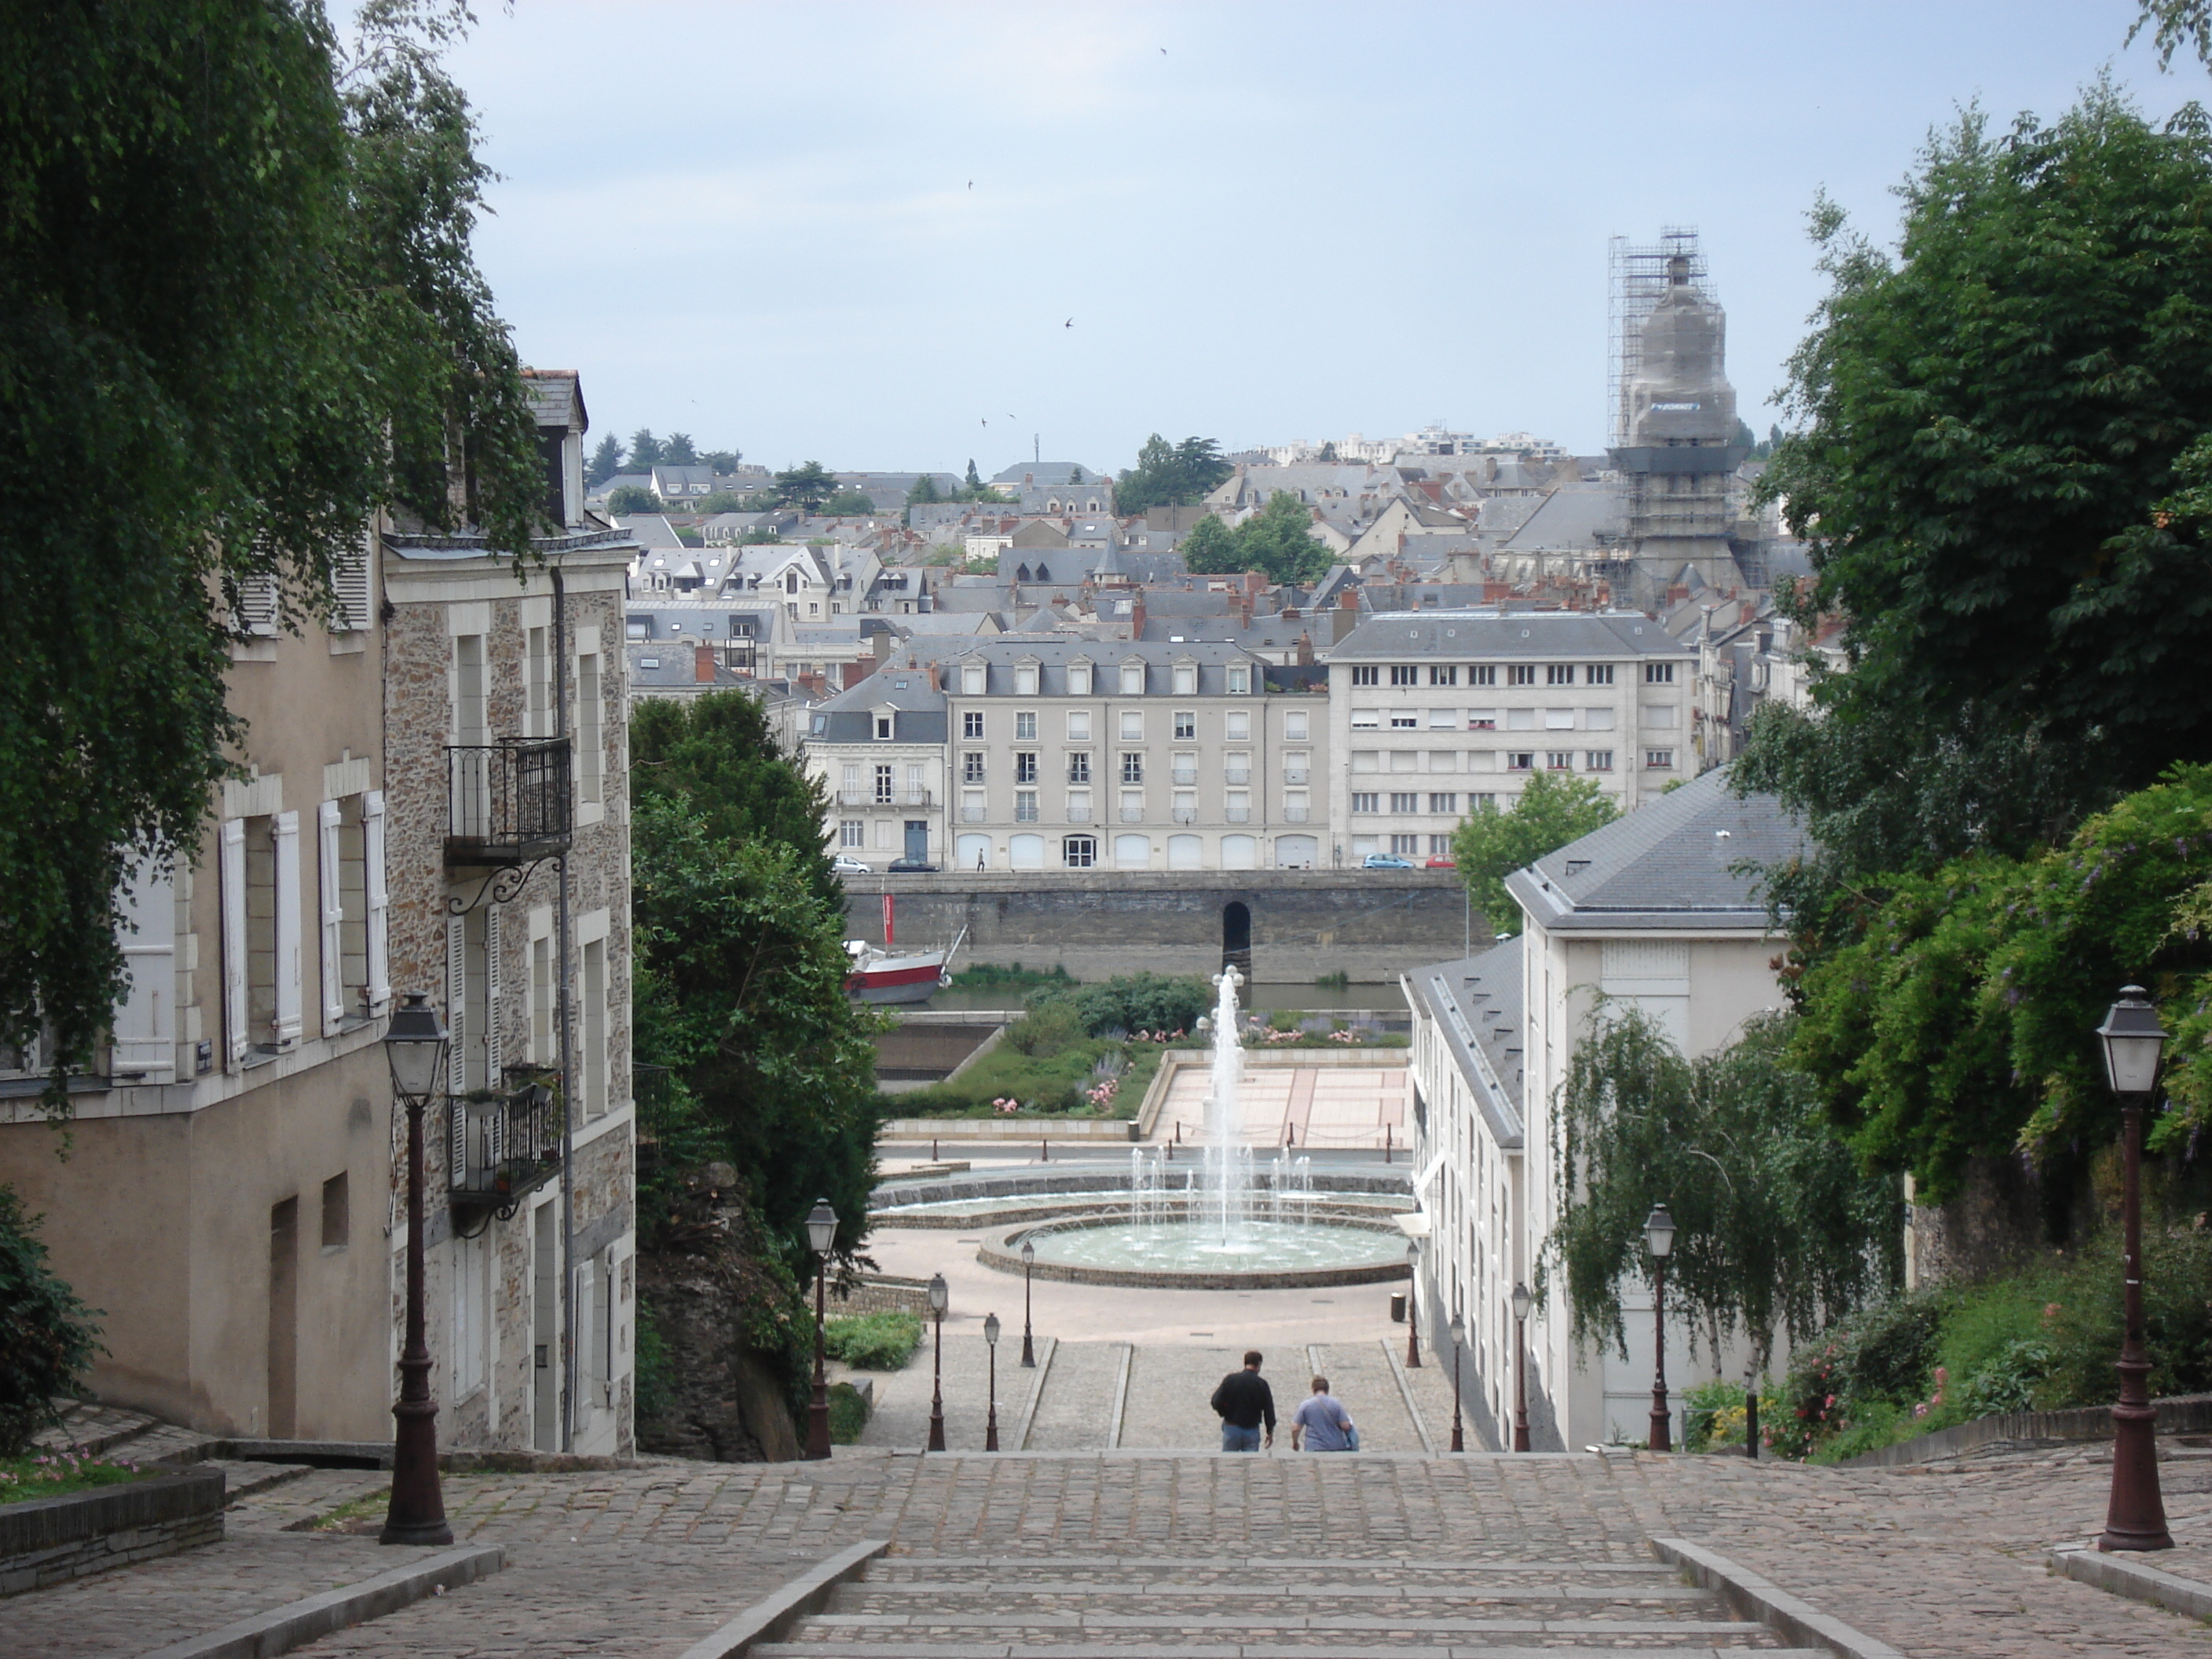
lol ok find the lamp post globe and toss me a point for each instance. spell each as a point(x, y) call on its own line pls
point(1522, 1302)
point(1029, 1261)
point(822, 1237)
point(1459, 1346)
point(2135, 1516)
point(991, 1421)
point(940, 1297)
point(1659, 1239)
point(414, 1049)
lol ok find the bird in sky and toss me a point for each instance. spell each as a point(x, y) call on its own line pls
point(1013, 417)
point(971, 184)
point(1070, 323)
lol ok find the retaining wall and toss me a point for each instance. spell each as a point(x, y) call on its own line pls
point(51, 1540)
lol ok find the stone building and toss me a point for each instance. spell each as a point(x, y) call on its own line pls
point(507, 716)
point(1435, 714)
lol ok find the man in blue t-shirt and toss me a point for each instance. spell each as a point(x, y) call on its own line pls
point(1321, 1422)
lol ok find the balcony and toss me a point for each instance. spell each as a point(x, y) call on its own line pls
point(1025, 812)
point(504, 1142)
point(1294, 775)
point(507, 802)
point(1185, 776)
point(1238, 814)
point(886, 797)
point(1296, 814)
point(1184, 815)
point(1237, 775)
point(975, 814)
point(1133, 814)
point(1081, 779)
point(1078, 815)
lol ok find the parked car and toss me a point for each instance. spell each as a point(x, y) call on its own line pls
point(1381, 861)
point(912, 867)
point(1441, 864)
point(846, 864)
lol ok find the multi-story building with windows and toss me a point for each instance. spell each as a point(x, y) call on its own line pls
point(878, 749)
point(1437, 713)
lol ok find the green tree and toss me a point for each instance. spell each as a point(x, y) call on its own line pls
point(47, 1335)
point(644, 450)
point(1278, 540)
point(678, 451)
point(760, 535)
point(1778, 1228)
point(606, 461)
point(240, 310)
point(849, 503)
point(974, 481)
point(718, 756)
point(633, 498)
point(1327, 456)
point(1209, 548)
point(1170, 475)
point(1992, 429)
point(2178, 23)
point(720, 501)
point(924, 493)
point(806, 487)
point(1552, 809)
point(723, 461)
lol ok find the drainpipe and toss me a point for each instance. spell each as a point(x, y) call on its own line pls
point(567, 1058)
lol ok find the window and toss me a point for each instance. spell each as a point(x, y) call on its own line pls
point(1367, 675)
point(1025, 679)
point(1404, 845)
point(1240, 679)
point(1078, 683)
point(1133, 679)
point(1025, 767)
point(1597, 760)
point(1078, 851)
point(261, 933)
point(1521, 673)
point(1439, 846)
point(1482, 719)
point(594, 1056)
point(1659, 760)
point(344, 889)
point(1294, 725)
point(1405, 803)
point(1363, 803)
point(1079, 807)
point(1404, 719)
point(1558, 719)
point(338, 1212)
point(591, 758)
point(1444, 760)
point(883, 728)
point(1079, 726)
point(971, 723)
point(1482, 803)
point(884, 787)
point(1132, 726)
point(1186, 680)
point(1079, 767)
point(1443, 674)
point(1185, 727)
point(1367, 719)
point(1558, 673)
point(541, 1048)
point(537, 687)
point(1236, 725)
point(1520, 759)
point(1483, 675)
point(1133, 768)
point(971, 766)
point(1443, 719)
point(471, 1257)
point(1447, 803)
point(1558, 760)
point(1599, 673)
point(1025, 806)
point(1405, 676)
point(852, 832)
point(1597, 720)
point(971, 679)
point(1658, 674)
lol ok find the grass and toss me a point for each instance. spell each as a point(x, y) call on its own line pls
point(1049, 1085)
point(58, 1474)
point(872, 1342)
point(358, 1515)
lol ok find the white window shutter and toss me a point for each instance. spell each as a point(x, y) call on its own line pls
point(494, 1055)
point(329, 818)
point(146, 1018)
point(350, 587)
point(236, 1039)
point(291, 963)
point(379, 899)
point(257, 605)
point(457, 1005)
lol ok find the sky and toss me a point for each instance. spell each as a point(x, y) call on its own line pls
point(909, 235)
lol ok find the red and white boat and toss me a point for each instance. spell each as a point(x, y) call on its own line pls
point(885, 974)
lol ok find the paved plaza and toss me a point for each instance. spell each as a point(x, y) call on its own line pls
point(1324, 1108)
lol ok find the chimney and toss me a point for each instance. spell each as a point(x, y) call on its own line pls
point(883, 645)
point(1496, 593)
point(855, 672)
point(1137, 615)
point(1305, 651)
point(817, 687)
point(1345, 617)
point(702, 665)
point(1244, 607)
point(933, 685)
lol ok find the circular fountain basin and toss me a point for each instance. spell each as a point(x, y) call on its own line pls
point(1195, 1253)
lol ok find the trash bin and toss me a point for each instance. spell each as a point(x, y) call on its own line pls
point(1397, 1307)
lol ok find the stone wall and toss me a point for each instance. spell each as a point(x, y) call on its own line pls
point(51, 1540)
point(1370, 924)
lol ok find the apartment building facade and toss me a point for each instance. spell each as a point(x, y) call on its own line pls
point(878, 749)
point(1436, 714)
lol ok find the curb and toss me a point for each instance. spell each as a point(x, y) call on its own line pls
point(2122, 1576)
point(281, 1629)
point(772, 1618)
point(1751, 1597)
point(1036, 1393)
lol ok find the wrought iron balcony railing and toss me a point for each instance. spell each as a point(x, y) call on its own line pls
point(509, 802)
point(504, 1142)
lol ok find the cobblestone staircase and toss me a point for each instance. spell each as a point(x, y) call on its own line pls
point(919, 1606)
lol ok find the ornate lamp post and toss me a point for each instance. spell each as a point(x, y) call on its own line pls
point(1522, 1302)
point(821, 1234)
point(2135, 1518)
point(1459, 1344)
point(415, 1047)
point(1412, 1322)
point(1029, 1261)
point(991, 1422)
point(1659, 1238)
point(939, 1295)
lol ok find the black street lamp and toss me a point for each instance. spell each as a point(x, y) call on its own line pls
point(414, 1048)
point(2134, 1517)
point(821, 1235)
point(1413, 1324)
point(1459, 1344)
point(1522, 1302)
point(1659, 1238)
point(1029, 1261)
point(991, 1342)
point(939, 1295)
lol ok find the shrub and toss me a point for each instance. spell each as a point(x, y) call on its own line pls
point(47, 1336)
point(872, 1342)
point(849, 1414)
point(1134, 1002)
point(1048, 1029)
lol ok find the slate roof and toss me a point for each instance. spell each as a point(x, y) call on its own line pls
point(557, 398)
point(1053, 653)
point(1393, 636)
point(1576, 518)
point(1476, 1004)
point(1044, 472)
point(1674, 863)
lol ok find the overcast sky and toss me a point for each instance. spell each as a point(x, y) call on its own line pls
point(857, 234)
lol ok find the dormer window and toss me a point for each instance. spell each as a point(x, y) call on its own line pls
point(1078, 680)
point(1186, 680)
point(971, 679)
point(1025, 679)
point(1240, 679)
point(791, 581)
point(1133, 679)
point(883, 728)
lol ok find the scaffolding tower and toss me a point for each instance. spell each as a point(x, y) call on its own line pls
point(1637, 278)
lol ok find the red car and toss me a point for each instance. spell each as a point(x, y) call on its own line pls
point(1441, 864)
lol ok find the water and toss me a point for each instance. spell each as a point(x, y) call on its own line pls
point(1255, 1246)
point(1388, 1001)
point(1158, 1209)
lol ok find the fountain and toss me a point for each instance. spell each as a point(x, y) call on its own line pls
point(1214, 1235)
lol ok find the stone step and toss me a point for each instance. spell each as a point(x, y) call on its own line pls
point(1277, 1623)
point(242, 1479)
point(1139, 1570)
point(997, 1646)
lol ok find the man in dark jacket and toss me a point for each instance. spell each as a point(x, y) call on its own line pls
point(1242, 1402)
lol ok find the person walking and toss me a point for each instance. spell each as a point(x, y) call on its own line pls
point(1242, 1402)
point(1322, 1422)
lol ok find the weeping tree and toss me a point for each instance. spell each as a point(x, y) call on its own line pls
point(1778, 1232)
